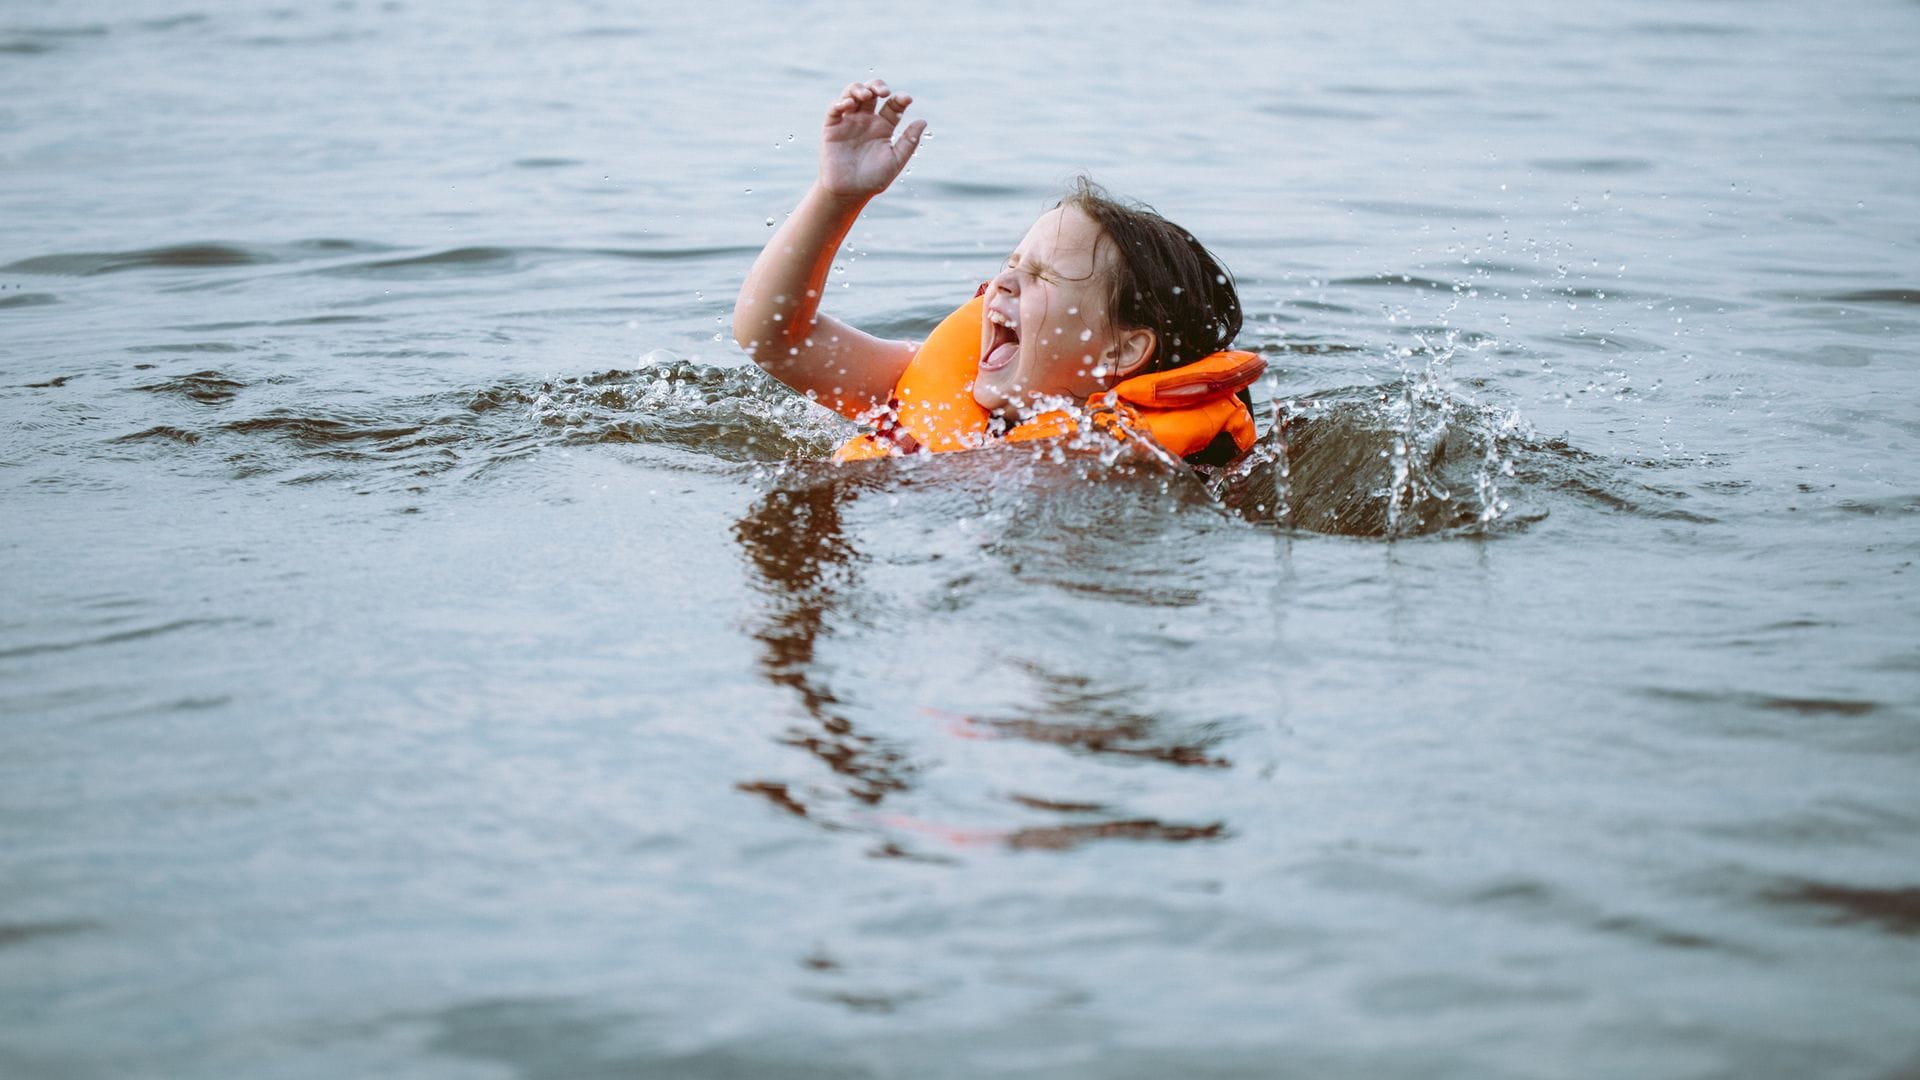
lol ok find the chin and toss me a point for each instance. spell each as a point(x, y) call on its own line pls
point(989, 396)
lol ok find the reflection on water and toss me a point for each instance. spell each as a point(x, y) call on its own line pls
point(807, 568)
point(795, 543)
point(1075, 712)
point(1896, 910)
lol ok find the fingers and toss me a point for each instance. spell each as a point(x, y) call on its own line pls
point(864, 94)
point(874, 95)
point(908, 142)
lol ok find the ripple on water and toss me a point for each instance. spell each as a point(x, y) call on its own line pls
point(200, 387)
point(452, 262)
point(88, 263)
point(1776, 703)
point(1538, 900)
point(1423, 211)
point(721, 414)
point(1607, 342)
point(1827, 356)
point(1895, 910)
point(981, 189)
point(1323, 307)
point(733, 414)
point(1877, 296)
point(13, 935)
point(115, 638)
point(187, 347)
point(320, 431)
point(163, 433)
point(181, 256)
point(1594, 166)
point(1094, 722)
point(310, 320)
point(1675, 28)
point(678, 254)
point(1396, 281)
point(1892, 504)
point(1399, 460)
point(1432, 993)
point(41, 40)
point(173, 22)
point(1306, 111)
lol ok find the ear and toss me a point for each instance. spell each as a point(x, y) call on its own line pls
point(1132, 351)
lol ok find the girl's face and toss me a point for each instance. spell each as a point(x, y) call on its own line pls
point(1045, 330)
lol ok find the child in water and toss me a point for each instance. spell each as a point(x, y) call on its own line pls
point(1105, 314)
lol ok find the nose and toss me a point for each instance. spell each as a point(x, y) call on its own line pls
point(1006, 281)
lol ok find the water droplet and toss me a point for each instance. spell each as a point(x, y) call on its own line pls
point(769, 223)
point(1086, 335)
point(749, 191)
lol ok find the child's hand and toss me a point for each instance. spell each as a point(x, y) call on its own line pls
point(859, 156)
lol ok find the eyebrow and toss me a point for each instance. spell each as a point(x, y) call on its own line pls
point(1039, 267)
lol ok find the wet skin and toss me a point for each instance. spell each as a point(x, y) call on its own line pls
point(1046, 330)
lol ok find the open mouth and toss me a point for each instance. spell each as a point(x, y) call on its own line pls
point(1002, 341)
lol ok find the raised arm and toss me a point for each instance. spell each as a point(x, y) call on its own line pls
point(777, 316)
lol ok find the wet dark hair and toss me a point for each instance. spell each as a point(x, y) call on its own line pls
point(1164, 280)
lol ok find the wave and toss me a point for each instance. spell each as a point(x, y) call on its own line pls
point(115, 638)
point(452, 261)
point(732, 413)
point(197, 255)
point(1877, 296)
point(342, 258)
point(728, 415)
point(1398, 281)
point(1894, 910)
point(1401, 459)
point(200, 387)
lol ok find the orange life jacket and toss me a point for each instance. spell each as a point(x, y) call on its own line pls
point(1184, 409)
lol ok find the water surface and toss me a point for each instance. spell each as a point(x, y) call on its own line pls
point(428, 648)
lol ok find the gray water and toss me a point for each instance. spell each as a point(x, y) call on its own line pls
point(427, 648)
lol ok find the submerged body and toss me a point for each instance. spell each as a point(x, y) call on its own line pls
point(1189, 411)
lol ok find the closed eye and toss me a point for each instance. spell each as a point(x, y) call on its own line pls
point(1032, 268)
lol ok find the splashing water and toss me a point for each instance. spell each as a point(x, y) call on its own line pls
point(1428, 419)
point(733, 413)
point(1405, 458)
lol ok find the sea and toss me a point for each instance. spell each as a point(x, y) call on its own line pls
point(430, 648)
